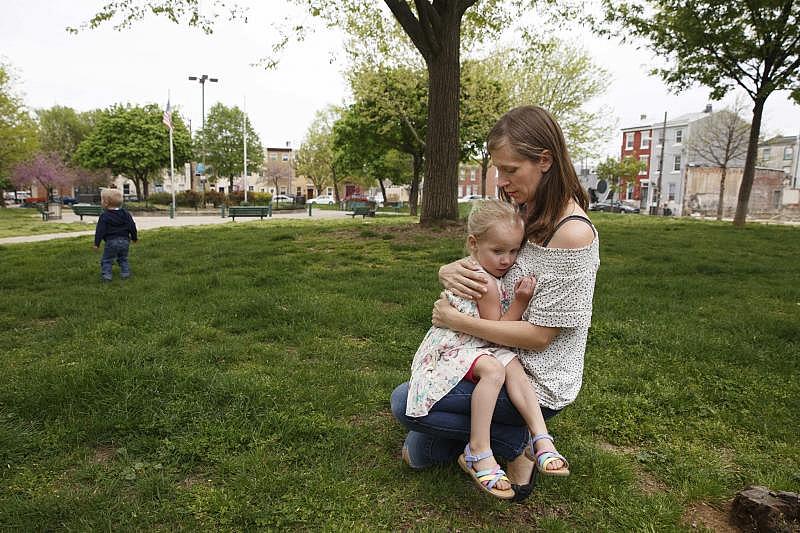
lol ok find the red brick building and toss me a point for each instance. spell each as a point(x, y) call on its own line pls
point(637, 142)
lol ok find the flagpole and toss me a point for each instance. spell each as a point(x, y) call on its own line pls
point(244, 136)
point(168, 121)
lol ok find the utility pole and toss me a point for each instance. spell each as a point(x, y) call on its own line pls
point(657, 192)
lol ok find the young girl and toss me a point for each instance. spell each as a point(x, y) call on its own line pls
point(445, 357)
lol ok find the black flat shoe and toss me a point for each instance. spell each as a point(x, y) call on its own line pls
point(521, 492)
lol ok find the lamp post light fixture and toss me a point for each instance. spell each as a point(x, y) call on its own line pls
point(203, 79)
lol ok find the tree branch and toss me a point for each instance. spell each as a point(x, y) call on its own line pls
point(405, 17)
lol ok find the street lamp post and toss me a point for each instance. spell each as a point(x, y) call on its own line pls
point(203, 79)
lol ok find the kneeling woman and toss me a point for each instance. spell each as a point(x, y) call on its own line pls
point(561, 250)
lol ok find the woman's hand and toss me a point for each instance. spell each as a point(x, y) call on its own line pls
point(444, 315)
point(462, 279)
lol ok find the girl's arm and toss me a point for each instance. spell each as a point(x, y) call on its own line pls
point(523, 292)
point(515, 334)
point(489, 306)
point(463, 280)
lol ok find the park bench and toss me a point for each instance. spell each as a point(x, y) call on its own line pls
point(90, 210)
point(365, 209)
point(249, 211)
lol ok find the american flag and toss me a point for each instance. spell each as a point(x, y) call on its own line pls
point(168, 117)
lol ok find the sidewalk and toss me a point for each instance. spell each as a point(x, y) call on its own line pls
point(145, 222)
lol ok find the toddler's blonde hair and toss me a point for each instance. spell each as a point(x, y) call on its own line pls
point(111, 197)
point(487, 213)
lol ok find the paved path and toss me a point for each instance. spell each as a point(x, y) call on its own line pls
point(144, 222)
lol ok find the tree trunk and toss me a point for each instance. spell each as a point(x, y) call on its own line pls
point(484, 170)
point(414, 194)
point(383, 190)
point(750, 164)
point(335, 187)
point(441, 143)
point(721, 202)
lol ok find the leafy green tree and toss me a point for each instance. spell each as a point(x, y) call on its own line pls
point(392, 103)
point(617, 173)
point(562, 78)
point(484, 97)
point(223, 141)
point(314, 158)
point(18, 131)
point(61, 130)
point(134, 142)
point(720, 44)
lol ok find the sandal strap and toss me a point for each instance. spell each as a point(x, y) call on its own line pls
point(490, 477)
point(540, 436)
point(469, 458)
point(544, 458)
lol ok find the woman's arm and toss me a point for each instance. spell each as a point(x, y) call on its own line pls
point(516, 334)
point(463, 280)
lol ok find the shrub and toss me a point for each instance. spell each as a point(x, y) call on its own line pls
point(163, 198)
point(188, 199)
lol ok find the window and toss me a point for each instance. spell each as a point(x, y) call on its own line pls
point(283, 190)
point(629, 141)
point(661, 137)
point(671, 191)
point(788, 152)
point(643, 160)
point(766, 153)
point(629, 192)
point(678, 136)
point(645, 142)
point(677, 164)
point(329, 191)
point(285, 157)
point(273, 157)
point(776, 199)
point(250, 188)
point(126, 188)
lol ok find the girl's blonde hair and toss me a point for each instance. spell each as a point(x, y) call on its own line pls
point(487, 213)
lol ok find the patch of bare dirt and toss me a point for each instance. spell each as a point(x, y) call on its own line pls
point(104, 454)
point(702, 515)
point(192, 480)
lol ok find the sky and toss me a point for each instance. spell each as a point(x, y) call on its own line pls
point(152, 61)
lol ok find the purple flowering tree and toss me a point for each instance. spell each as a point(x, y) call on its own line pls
point(46, 170)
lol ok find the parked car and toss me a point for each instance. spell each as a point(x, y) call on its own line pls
point(324, 199)
point(470, 197)
point(613, 207)
point(279, 198)
point(68, 200)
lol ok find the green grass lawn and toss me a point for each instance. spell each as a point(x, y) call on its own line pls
point(241, 380)
point(17, 221)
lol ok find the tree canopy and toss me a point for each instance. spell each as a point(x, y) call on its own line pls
point(18, 132)
point(615, 171)
point(133, 141)
point(720, 44)
point(46, 169)
point(223, 142)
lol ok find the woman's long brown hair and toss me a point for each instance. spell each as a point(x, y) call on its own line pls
point(529, 131)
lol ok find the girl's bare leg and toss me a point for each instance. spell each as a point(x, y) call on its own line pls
point(526, 401)
point(491, 375)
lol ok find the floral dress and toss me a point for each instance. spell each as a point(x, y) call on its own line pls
point(445, 356)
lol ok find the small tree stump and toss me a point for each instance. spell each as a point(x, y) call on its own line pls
point(761, 509)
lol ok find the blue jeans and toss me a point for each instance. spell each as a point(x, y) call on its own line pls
point(115, 248)
point(440, 436)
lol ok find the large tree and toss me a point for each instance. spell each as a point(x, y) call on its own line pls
point(223, 143)
point(61, 130)
point(720, 139)
point(392, 104)
point(314, 158)
point(721, 44)
point(18, 132)
point(438, 30)
point(133, 141)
